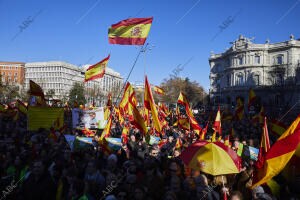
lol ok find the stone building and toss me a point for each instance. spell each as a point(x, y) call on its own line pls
point(272, 70)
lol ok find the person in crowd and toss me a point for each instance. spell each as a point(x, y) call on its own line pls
point(46, 167)
point(38, 181)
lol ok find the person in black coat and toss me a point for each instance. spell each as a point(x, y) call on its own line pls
point(38, 185)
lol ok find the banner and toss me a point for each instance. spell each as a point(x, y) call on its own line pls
point(44, 117)
point(70, 140)
point(114, 143)
point(82, 143)
point(154, 140)
point(91, 119)
point(253, 153)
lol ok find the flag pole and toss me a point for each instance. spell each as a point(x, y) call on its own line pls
point(143, 48)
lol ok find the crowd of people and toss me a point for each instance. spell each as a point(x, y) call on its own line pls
point(36, 166)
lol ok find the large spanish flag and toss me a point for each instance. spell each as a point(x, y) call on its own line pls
point(150, 105)
point(132, 31)
point(97, 70)
point(280, 153)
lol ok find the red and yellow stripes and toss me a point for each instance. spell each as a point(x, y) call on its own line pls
point(132, 31)
point(97, 70)
point(277, 127)
point(158, 90)
point(150, 105)
point(209, 156)
point(280, 153)
point(138, 120)
point(239, 111)
point(217, 124)
point(252, 98)
point(194, 124)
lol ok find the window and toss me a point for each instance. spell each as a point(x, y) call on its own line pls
point(9, 73)
point(228, 80)
point(240, 60)
point(3, 73)
point(257, 59)
point(239, 79)
point(279, 60)
point(256, 79)
point(16, 79)
point(279, 79)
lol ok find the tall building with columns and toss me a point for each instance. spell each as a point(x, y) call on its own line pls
point(272, 70)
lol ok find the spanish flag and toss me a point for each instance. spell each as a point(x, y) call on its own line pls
point(280, 153)
point(184, 123)
point(118, 114)
point(178, 144)
point(239, 110)
point(158, 90)
point(129, 95)
point(264, 145)
point(150, 105)
point(97, 70)
point(106, 131)
point(125, 133)
point(203, 132)
point(259, 118)
point(138, 120)
point(183, 101)
point(252, 98)
point(277, 128)
point(36, 90)
point(217, 124)
point(132, 31)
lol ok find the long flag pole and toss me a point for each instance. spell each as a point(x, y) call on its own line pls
point(134, 63)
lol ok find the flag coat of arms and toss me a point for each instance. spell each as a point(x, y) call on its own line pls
point(132, 31)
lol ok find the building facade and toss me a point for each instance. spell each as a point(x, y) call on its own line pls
point(98, 90)
point(272, 70)
point(59, 77)
point(12, 73)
